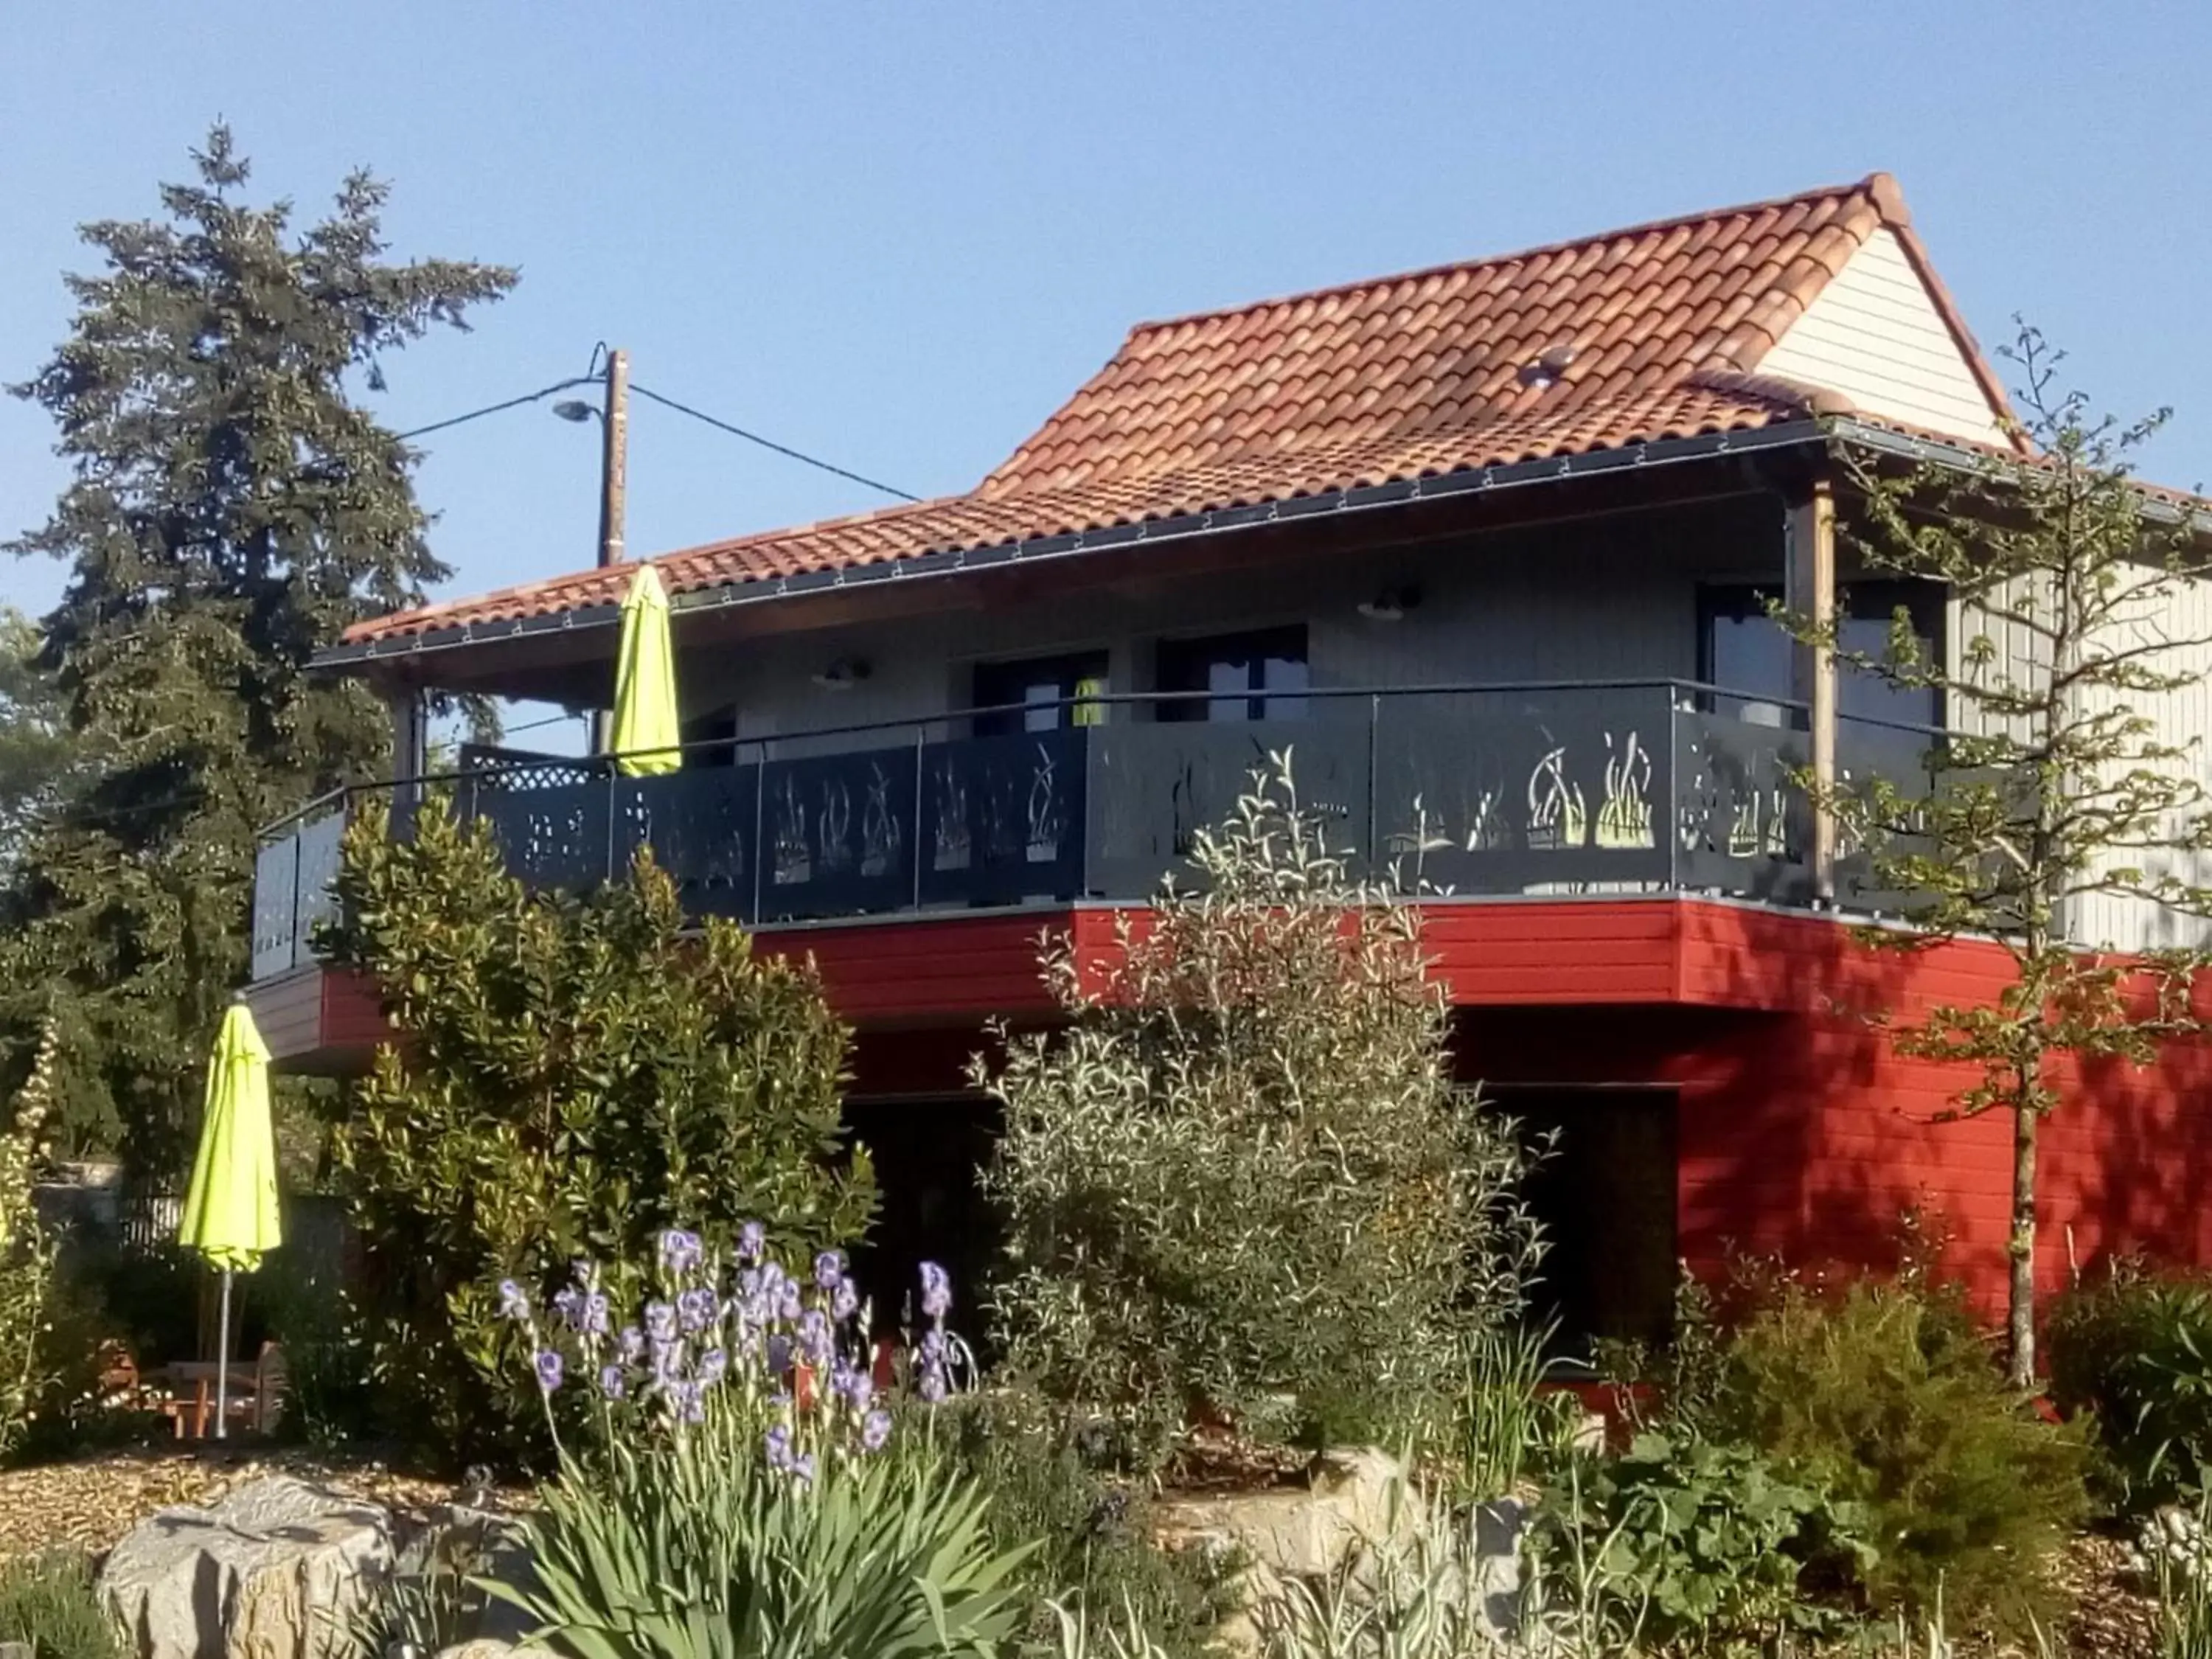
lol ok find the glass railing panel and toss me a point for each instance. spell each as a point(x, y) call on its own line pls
point(1153, 786)
point(1556, 790)
point(1003, 817)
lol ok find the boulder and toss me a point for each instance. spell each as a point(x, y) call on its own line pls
point(1356, 1504)
point(273, 1570)
point(1353, 1498)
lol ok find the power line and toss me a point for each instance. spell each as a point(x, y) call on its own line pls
point(494, 409)
point(771, 443)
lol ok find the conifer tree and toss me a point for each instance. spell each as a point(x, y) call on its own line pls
point(233, 508)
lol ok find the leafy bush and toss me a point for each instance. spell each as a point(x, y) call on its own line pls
point(51, 1602)
point(1889, 1399)
point(1718, 1544)
point(1092, 1533)
point(1240, 1182)
point(2133, 1350)
point(720, 1502)
point(579, 1074)
point(328, 1399)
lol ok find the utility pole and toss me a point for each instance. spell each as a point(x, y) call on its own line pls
point(614, 467)
point(614, 491)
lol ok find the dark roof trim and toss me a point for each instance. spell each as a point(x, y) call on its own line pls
point(2158, 507)
point(1188, 526)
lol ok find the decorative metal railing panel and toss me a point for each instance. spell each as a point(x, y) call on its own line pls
point(1484, 791)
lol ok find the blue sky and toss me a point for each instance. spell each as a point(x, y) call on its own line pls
point(898, 234)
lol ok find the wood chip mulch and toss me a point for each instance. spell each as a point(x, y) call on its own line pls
point(90, 1503)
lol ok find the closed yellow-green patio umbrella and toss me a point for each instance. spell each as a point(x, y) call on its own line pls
point(645, 736)
point(230, 1209)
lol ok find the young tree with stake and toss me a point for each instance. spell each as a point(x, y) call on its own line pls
point(2059, 786)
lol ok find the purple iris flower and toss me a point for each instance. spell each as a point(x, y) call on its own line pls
point(596, 1314)
point(779, 1355)
point(695, 1310)
point(660, 1321)
point(933, 1387)
point(513, 1304)
point(690, 1402)
point(816, 1337)
point(875, 1430)
point(631, 1343)
point(712, 1366)
point(549, 1367)
point(779, 1448)
point(830, 1270)
point(802, 1468)
point(752, 1239)
point(612, 1384)
point(936, 1291)
point(787, 1307)
point(844, 1302)
point(679, 1250)
point(932, 1347)
point(569, 1304)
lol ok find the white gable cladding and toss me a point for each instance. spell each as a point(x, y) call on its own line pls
point(1875, 335)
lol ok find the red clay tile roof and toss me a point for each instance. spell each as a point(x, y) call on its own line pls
point(1634, 336)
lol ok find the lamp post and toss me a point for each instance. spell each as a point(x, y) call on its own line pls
point(614, 480)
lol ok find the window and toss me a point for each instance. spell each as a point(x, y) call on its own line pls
point(1246, 676)
point(1051, 685)
point(1744, 650)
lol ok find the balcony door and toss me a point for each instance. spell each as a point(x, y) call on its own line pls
point(1040, 694)
point(1244, 677)
point(1744, 650)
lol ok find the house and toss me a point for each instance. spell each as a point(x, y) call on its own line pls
point(1488, 547)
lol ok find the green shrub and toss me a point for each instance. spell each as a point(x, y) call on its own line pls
point(1890, 1399)
point(51, 1602)
point(1721, 1549)
point(579, 1074)
point(1092, 1533)
point(1238, 1181)
point(2132, 1351)
point(328, 1401)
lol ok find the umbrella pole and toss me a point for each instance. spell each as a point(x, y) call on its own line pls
point(223, 1363)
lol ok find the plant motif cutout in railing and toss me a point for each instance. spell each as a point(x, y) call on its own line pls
point(1558, 816)
point(1048, 817)
point(794, 860)
point(834, 823)
point(881, 837)
point(1624, 818)
point(951, 849)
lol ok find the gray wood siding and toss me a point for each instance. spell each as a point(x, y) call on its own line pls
point(1605, 599)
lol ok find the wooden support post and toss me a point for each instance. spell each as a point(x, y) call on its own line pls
point(410, 752)
point(1811, 587)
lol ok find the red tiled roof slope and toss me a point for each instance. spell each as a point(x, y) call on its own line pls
point(1652, 332)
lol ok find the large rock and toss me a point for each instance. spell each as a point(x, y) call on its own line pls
point(1358, 1508)
point(272, 1571)
point(1354, 1499)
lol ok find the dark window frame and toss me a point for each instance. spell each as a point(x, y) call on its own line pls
point(1005, 681)
point(1869, 600)
point(1184, 665)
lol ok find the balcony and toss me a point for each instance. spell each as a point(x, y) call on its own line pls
point(1482, 791)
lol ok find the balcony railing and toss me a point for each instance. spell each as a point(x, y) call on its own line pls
point(1536, 789)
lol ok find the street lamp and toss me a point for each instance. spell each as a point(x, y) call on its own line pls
point(575, 409)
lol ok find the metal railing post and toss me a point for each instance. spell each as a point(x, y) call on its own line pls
point(919, 733)
point(1374, 737)
point(292, 923)
point(760, 846)
point(1668, 803)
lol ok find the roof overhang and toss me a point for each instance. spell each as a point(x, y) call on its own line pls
point(408, 654)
